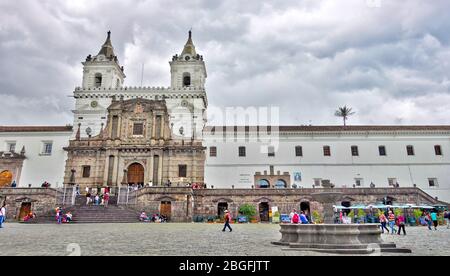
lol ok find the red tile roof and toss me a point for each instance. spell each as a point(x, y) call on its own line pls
point(35, 128)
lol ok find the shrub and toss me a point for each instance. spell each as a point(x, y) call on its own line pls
point(417, 214)
point(247, 210)
point(317, 217)
point(361, 213)
point(398, 212)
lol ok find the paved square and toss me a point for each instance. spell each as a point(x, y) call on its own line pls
point(179, 240)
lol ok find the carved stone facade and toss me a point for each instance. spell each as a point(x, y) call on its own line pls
point(137, 146)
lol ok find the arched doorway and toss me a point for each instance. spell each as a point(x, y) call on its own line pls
point(281, 184)
point(305, 207)
point(166, 209)
point(6, 178)
point(263, 184)
point(346, 204)
point(221, 207)
point(264, 211)
point(25, 209)
point(136, 174)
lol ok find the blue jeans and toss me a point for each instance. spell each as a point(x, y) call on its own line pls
point(1, 221)
point(383, 226)
point(391, 225)
point(227, 225)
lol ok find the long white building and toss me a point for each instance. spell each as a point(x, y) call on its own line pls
point(352, 156)
point(240, 157)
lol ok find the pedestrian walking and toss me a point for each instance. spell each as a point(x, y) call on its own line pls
point(383, 222)
point(447, 218)
point(434, 219)
point(428, 220)
point(106, 199)
point(227, 221)
point(391, 218)
point(401, 224)
point(88, 198)
point(2, 215)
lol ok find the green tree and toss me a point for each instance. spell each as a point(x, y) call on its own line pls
point(344, 112)
point(247, 210)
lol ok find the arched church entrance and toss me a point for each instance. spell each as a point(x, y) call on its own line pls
point(6, 178)
point(264, 212)
point(136, 174)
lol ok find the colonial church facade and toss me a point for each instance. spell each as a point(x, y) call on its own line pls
point(136, 135)
point(136, 146)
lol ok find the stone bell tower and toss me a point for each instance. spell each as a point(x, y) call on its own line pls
point(103, 70)
point(188, 69)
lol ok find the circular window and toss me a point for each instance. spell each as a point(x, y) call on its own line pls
point(187, 58)
point(94, 104)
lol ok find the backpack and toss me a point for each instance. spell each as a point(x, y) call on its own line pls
point(295, 218)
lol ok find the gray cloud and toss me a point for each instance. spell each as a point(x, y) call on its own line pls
point(390, 63)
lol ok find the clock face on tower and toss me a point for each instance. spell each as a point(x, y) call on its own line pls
point(187, 58)
point(94, 104)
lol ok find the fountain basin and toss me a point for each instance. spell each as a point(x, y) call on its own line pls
point(336, 238)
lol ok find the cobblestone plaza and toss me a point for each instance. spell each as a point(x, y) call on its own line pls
point(179, 240)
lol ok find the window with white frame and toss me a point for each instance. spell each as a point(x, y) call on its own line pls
point(317, 182)
point(47, 148)
point(359, 182)
point(392, 182)
point(432, 182)
point(11, 146)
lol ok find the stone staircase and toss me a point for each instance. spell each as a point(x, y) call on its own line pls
point(100, 214)
point(94, 214)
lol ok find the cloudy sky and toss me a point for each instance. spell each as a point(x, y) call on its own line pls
point(389, 60)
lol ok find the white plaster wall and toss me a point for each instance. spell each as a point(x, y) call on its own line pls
point(38, 168)
point(341, 168)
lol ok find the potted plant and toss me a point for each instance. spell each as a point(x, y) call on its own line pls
point(249, 211)
point(254, 219)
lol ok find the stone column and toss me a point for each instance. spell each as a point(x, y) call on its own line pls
point(115, 179)
point(160, 168)
point(162, 128)
point(153, 126)
point(150, 168)
point(106, 170)
point(125, 178)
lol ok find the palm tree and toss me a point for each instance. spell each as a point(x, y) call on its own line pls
point(344, 112)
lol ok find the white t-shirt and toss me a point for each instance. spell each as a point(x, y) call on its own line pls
point(3, 212)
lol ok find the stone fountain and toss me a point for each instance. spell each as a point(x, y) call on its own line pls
point(334, 238)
